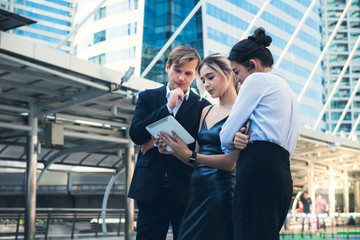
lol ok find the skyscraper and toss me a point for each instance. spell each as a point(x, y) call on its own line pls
point(111, 34)
point(224, 22)
point(216, 27)
point(124, 33)
point(335, 59)
point(54, 20)
point(162, 19)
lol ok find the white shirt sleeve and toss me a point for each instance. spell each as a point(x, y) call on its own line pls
point(170, 110)
point(250, 94)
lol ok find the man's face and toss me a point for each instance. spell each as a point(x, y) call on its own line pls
point(181, 77)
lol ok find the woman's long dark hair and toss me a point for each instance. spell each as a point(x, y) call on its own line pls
point(254, 47)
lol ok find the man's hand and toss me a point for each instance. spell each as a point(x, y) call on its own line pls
point(241, 140)
point(161, 146)
point(175, 95)
point(147, 146)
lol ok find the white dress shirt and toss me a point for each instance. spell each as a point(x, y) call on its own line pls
point(268, 101)
point(176, 109)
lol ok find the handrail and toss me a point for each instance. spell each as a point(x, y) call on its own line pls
point(68, 222)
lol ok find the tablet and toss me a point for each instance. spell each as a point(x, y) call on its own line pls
point(168, 124)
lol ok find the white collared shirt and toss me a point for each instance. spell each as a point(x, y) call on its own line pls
point(176, 109)
point(268, 101)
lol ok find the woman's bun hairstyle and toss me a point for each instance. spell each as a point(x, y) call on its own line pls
point(254, 47)
point(260, 37)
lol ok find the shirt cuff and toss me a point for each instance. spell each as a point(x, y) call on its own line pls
point(170, 110)
point(225, 150)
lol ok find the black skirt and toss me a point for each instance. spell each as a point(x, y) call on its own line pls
point(263, 191)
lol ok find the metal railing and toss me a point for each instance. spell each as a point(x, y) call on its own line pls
point(71, 223)
point(63, 223)
point(322, 226)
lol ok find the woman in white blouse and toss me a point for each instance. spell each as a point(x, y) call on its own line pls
point(263, 187)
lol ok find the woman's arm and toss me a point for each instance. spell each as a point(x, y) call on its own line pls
point(225, 162)
point(180, 150)
point(250, 94)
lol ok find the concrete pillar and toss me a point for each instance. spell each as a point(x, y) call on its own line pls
point(30, 178)
point(331, 188)
point(311, 187)
point(346, 192)
point(357, 196)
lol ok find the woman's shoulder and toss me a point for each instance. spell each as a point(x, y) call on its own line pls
point(206, 109)
point(256, 79)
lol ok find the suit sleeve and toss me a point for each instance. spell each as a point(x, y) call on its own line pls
point(144, 115)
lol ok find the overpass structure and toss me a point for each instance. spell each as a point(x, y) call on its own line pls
point(59, 113)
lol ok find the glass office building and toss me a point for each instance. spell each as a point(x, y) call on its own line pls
point(53, 17)
point(224, 22)
point(162, 18)
point(335, 59)
point(111, 34)
point(124, 33)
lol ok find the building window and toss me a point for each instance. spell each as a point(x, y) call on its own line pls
point(99, 14)
point(99, 36)
point(336, 116)
point(100, 59)
point(338, 104)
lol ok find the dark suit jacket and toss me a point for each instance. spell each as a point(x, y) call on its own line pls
point(150, 168)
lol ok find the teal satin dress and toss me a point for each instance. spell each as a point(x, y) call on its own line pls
point(208, 214)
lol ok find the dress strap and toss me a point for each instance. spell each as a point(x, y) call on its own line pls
point(208, 111)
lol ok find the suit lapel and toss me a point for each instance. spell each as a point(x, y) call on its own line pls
point(186, 105)
point(160, 96)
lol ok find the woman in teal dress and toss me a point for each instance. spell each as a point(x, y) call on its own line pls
point(208, 214)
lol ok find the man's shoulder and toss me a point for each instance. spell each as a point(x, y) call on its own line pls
point(152, 90)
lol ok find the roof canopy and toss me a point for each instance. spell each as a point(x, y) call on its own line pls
point(83, 112)
point(10, 20)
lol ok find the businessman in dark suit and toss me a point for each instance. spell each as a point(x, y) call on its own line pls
point(160, 182)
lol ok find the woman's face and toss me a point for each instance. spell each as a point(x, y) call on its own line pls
point(214, 82)
point(240, 72)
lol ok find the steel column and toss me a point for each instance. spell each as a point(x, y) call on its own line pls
point(30, 182)
point(129, 162)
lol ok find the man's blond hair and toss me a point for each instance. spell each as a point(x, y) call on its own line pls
point(181, 55)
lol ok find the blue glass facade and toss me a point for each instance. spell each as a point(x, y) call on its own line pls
point(59, 2)
point(278, 41)
point(107, 34)
point(116, 8)
point(53, 23)
point(47, 8)
point(161, 19)
point(39, 36)
point(114, 56)
point(278, 19)
point(335, 59)
point(38, 16)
